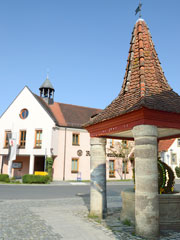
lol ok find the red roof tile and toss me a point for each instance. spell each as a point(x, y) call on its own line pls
point(164, 145)
point(56, 110)
point(144, 82)
point(67, 114)
point(74, 116)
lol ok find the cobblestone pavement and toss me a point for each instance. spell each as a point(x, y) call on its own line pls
point(18, 222)
point(126, 230)
point(64, 219)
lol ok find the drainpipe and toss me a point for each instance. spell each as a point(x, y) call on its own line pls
point(45, 160)
point(2, 161)
point(64, 170)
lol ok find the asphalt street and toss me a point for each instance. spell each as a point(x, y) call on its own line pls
point(58, 190)
point(16, 192)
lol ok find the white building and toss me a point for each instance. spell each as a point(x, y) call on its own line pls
point(169, 151)
point(47, 128)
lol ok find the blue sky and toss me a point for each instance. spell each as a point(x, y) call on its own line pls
point(83, 44)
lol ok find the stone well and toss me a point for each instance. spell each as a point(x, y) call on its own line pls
point(169, 209)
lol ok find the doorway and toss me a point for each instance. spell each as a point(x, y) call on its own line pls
point(39, 163)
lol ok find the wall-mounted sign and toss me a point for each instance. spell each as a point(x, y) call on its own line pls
point(87, 153)
point(79, 153)
point(17, 165)
point(114, 155)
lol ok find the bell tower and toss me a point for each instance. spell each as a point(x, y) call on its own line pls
point(47, 91)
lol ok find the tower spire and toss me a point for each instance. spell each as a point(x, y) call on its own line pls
point(47, 91)
point(143, 66)
point(144, 85)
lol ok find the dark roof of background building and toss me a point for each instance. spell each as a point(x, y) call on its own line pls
point(68, 115)
point(144, 82)
point(77, 115)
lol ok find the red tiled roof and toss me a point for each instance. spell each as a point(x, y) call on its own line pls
point(56, 110)
point(144, 82)
point(164, 145)
point(76, 116)
point(67, 114)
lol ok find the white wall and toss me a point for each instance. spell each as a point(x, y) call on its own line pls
point(166, 156)
point(59, 139)
point(37, 119)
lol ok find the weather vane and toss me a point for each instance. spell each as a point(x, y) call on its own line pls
point(138, 9)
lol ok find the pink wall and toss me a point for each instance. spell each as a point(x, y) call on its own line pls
point(5, 166)
point(25, 166)
point(18, 172)
point(84, 160)
point(119, 169)
point(65, 151)
point(72, 152)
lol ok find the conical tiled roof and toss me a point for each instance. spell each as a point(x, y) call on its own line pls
point(46, 84)
point(144, 82)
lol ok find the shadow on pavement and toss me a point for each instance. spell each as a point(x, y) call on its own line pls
point(112, 223)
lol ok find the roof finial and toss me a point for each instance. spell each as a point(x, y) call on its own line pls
point(47, 75)
point(138, 9)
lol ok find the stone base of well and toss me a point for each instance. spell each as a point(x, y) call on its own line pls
point(169, 209)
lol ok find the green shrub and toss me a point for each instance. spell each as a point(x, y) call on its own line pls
point(127, 222)
point(4, 178)
point(49, 164)
point(12, 179)
point(177, 169)
point(30, 178)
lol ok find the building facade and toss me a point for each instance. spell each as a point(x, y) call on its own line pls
point(169, 152)
point(45, 128)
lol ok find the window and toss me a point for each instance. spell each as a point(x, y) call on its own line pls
point(125, 167)
point(178, 142)
point(75, 139)
point(111, 143)
point(75, 165)
point(24, 113)
point(38, 138)
point(111, 168)
point(173, 158)
point(124, 144)
point(22, 139)
point(6, 141)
